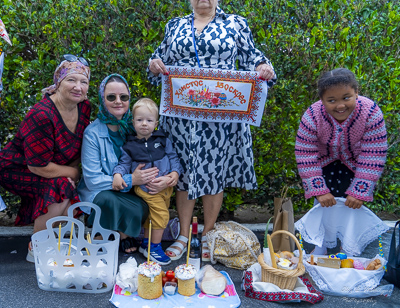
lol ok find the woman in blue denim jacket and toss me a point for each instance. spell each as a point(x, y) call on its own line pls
point(102, 140)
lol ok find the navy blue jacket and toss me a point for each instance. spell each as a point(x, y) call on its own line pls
point(157, 151)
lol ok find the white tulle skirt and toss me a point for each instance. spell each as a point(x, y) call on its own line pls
point(355, 228)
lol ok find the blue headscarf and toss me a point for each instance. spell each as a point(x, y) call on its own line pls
point(125, 124)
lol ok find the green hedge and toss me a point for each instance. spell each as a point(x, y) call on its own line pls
point(302, 38)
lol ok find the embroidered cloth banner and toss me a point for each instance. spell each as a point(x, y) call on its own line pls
point(3, 33)
point(213, 95)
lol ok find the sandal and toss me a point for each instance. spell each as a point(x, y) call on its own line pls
point(177, 248)
point(30, 256)
point(128, 243)
point(205, 251)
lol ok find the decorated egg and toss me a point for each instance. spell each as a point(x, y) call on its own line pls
point(341, 255)
point(332, 257)
point(358, 265)
point(346, 263)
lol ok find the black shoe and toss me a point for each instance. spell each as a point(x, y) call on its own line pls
point(128, 243)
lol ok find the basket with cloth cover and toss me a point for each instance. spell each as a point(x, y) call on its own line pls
point(285, 279)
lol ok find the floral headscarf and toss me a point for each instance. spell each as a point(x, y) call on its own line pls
point(63, 70)
point(125, 124)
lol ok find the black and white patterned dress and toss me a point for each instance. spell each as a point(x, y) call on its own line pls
point(213, 155)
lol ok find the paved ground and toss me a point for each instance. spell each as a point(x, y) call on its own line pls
point(18, 285)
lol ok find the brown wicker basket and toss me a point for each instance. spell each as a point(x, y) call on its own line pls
point(284, 279)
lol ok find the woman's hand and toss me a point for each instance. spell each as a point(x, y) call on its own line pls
point(174, 177)
point(158, 184)
point(140, 177)
point(157, 66)
point(75, 164)
point(76, 174)
point(266, 71)
point(72, 182)
point(326, 200)
point(353, 203)
point(118, 182)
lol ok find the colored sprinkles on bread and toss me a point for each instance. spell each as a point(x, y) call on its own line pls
point(150, 269)
point(185, 272)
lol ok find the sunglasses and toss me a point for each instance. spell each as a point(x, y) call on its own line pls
point(113, 97)
point(72, 58)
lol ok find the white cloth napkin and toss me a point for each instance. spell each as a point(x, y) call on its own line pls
point(127, 277)
point(349, 282)
point(355, 228)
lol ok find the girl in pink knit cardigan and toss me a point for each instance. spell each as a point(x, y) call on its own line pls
point(340, 152)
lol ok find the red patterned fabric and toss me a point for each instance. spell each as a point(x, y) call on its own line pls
point(313, 298)
point(42, 138)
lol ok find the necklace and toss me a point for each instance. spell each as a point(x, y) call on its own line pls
point(200, 29)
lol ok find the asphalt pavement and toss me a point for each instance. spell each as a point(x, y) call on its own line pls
point(19, 288)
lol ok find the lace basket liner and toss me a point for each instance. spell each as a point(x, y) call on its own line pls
point(350, 282)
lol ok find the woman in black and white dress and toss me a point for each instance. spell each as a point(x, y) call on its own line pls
point(213, 155)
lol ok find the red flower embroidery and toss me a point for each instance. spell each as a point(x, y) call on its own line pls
point(215, 101)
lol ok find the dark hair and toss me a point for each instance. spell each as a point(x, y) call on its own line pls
point(115, 79)
point(336, 77)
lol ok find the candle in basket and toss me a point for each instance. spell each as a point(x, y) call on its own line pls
point(267, 256)
point(271, 251)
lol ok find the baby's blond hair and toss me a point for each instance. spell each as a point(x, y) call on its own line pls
point(146, 102)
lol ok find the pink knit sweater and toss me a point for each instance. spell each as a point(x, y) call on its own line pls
point(359, 142)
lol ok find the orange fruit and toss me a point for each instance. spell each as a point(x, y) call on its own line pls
point(346, 263)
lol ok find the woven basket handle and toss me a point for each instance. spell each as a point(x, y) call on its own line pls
point(295, 240)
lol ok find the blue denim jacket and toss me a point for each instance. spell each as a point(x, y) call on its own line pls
point(98, 161)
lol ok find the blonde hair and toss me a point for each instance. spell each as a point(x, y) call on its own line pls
point(145, 102)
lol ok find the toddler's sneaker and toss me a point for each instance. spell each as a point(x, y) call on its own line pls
point(143, 245)
point(157, 254)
